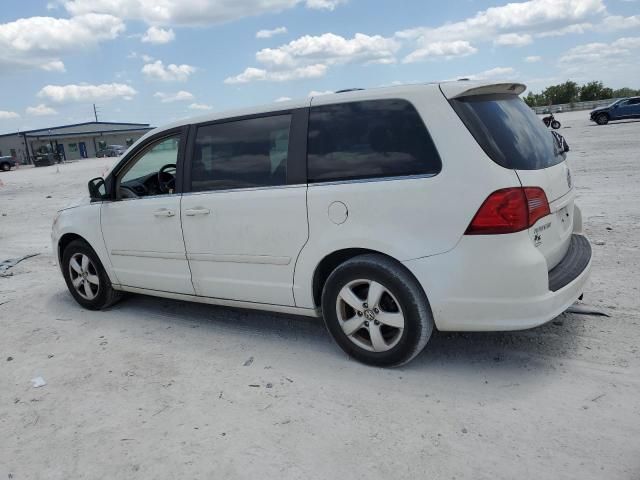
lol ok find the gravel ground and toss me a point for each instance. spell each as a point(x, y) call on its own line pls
point(157, 388)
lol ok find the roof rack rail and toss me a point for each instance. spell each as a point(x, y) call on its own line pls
point(345, 90)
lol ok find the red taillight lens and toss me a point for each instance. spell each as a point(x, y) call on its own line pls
point(537, 204)
point(509, 210)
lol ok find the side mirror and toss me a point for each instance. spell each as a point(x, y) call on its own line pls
point(97, 189)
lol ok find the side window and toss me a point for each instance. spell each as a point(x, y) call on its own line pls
point(634, 101)
point(378, 138)
point(153, 171)
point(241, 154)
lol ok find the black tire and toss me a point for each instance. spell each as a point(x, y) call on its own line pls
point(555, 125)
point(401, 284)
point(105, 295)
point(5, 167)
point(602, 119)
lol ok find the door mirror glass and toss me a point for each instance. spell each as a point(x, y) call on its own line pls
point(97, 189)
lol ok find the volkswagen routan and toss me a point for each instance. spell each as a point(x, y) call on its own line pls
point(387, 212)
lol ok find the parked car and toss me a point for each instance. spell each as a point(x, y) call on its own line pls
point(388, 212)
point(111, 151)
point(45, 156)
point(619, 110)
point(7, 163)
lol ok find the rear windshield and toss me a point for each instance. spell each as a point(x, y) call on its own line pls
point(508, 131)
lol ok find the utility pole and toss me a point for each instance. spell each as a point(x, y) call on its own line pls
point(95, 112)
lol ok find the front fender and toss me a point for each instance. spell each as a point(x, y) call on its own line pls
point(83, 221)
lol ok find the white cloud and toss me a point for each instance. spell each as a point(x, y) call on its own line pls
point(513, 39)
point(271, 33)
point(40, 110)
point(53, 66)
point(157, 35)
point(602, 52)
point(38, 42)
point(575, 28)
point(7, 115)
point(523, 18)
point(200, 106)
point(532, 59)
point(180, 96)
point(283, 99)
point(324, 4)
point(253, 74)
point(501, 73)
point(170, 73)
point(329, 48)
point(617, 22)
point(86, 92)
point(318, 93)
point(310, 56)
point(190, 12)
point(457, 48)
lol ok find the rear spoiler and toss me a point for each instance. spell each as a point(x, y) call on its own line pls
point(466, 89)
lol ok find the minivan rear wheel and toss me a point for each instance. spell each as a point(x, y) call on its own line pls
point(376, 311)
point(86, 278)
point(602, 119)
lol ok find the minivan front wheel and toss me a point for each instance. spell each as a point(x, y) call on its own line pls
point(602, 119)
point(86, 278)
point(376, 311)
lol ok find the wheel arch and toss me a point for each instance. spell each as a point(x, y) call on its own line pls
point(65, 240)
point(332, 260)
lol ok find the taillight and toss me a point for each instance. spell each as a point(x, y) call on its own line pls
point(509, 210)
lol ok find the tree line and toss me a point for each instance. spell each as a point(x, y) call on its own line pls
point(571, 92)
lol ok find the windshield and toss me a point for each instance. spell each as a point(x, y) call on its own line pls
point(508, 131)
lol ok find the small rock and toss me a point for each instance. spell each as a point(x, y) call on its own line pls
point(50, 355)
point(600, 242)
point(9, 359)
point(269, 385)
point(253, 385)
point(48, 196)
point(464, 430)
point(609, 228)
point(558, 323)
point(248, 362)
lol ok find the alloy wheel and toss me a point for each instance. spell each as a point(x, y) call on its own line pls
point(370, 316)
point(84, 276)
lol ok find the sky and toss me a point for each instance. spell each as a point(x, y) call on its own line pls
point(156, 61)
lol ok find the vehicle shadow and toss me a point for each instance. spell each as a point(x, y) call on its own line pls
point(615, 122)
point(534, 349)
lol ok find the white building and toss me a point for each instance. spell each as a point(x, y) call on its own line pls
point(80, 140)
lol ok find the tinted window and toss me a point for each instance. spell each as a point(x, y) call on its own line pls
point(380, 138)
point(241, 154)
point(508, 131)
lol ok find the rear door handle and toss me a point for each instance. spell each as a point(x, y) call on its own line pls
point(192, 212)
point(164, 212)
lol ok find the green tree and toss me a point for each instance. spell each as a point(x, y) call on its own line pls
point(592, 91)
point(624, 92)
point(567, 92)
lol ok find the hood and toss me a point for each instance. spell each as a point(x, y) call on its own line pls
point(79, 202)
point(600, 109)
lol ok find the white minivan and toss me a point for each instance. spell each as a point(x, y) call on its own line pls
point(389, 212)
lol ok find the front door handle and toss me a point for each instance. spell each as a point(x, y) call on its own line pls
point(164, 212)
point(192, 212)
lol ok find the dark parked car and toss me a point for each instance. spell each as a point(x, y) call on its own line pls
point(618, 110)
point(6, 163)
point(111, 151)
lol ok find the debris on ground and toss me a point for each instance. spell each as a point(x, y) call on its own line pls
point(585, 310)
point(5, 265)
point(38, 382)
point(248, 362)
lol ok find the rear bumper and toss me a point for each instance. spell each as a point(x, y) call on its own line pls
point(501, 283)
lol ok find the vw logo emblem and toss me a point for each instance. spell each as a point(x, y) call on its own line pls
point(569, 177)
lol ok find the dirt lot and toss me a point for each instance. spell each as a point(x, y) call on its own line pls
point(163, 389)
